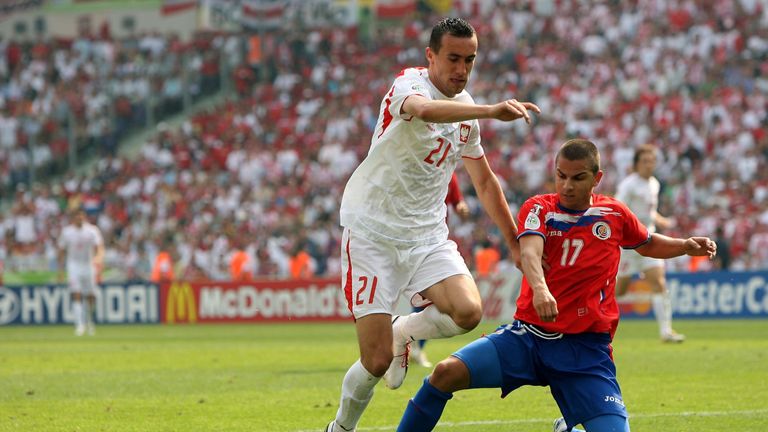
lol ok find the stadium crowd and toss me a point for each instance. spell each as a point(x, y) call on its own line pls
point(92, 90)
point(261, 175)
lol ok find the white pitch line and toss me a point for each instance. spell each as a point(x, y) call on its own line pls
point(548, 421)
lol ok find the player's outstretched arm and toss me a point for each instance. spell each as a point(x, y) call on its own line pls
point(661, 246)
point(531, 251)
point(495, 204)
point(443, 111)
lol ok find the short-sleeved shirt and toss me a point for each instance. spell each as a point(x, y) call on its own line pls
point(641, 195)
point(79, 244)
point(582, 249)
point(397, 194)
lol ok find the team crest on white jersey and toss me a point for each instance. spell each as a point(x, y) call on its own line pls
point(464, 133)
point(601, 230)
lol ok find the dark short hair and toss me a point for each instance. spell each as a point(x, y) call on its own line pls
point(640, 151)
point(457, 27)
point(581, 149)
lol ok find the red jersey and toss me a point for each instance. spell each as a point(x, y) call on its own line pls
point(583, 249)
point(454, 195)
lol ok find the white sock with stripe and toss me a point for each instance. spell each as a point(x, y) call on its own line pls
point(356, 392)
point(662, 308)
point(77, 311)
point(427, 324)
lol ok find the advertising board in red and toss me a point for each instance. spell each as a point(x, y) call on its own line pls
point(255, 301)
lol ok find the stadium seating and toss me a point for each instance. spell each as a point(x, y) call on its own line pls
point(268, 166)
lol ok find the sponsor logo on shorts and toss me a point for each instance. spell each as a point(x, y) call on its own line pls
point(614, 399)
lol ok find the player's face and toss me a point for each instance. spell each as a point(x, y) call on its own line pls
point(646, 164)
point(450, 67)
point(574, 182)
point(78, 218)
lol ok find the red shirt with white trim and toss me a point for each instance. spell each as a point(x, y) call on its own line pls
point(582, 249)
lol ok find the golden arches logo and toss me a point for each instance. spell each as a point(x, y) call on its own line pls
point(180, 306)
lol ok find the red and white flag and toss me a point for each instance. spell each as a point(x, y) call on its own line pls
point(169, 7)
point(264, 13)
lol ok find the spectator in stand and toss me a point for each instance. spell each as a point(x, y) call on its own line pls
point(241, 262)
point(163, 267)
point(723, 259)
point(487, 258)
point(301, 265)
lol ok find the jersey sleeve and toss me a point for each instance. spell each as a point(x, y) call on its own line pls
point(635, 233)
point(98, 238)
point(532, 218)
point(473, 149)
point(62, 241)
point(622, 191)
point(407, 84)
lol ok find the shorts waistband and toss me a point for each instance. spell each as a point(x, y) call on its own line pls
point(537, 331)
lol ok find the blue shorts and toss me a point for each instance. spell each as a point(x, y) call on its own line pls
point(578, 368)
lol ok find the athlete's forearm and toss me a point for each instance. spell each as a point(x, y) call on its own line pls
point(532, 269)
point(663, 247)
point(441, 111)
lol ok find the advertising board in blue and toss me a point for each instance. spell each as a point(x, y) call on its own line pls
point(710, 295)
point(51, 304)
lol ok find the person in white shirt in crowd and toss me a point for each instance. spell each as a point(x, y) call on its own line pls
point(82, 245)
point(640, 192)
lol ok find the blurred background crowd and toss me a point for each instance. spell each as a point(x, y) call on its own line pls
point(248, 184)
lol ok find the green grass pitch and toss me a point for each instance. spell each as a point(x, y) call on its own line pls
point(286, 378)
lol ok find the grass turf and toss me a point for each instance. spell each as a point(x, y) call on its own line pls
point(286, 378)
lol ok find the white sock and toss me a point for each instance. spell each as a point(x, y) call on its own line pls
point(427, 324)
point(662, 308)
point(88, 311)
point(77, 311)
point(356, 392)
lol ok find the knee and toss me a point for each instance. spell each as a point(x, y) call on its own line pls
point(377, 364)
point(469, 317)
point(450, 375)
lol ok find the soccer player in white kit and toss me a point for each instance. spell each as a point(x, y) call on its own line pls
point(83, 245)
point(395, 239)
point(640, 192)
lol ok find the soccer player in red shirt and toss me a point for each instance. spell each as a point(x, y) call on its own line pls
point(567, 314)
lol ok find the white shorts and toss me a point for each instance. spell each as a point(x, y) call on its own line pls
point(375, 274)
point(82, 282)
point(633, 263)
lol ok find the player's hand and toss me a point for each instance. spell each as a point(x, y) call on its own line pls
point(545, 305)
point(98, 270)
point(513, 109)
point(462, 209)
point(700, 246)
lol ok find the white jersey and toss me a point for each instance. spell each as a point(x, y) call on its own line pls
point(397, 194)
point(79, 244)
point(641, 195)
